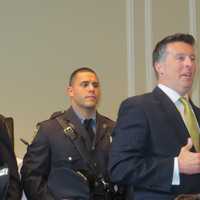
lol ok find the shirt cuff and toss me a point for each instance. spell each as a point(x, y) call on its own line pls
point(176, 176)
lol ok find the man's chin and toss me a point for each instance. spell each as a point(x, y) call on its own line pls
point(185, 90)
point(90, 106)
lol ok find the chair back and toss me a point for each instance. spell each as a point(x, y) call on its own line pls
point(8, 123)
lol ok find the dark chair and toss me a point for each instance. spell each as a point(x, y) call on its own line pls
point(9, 125)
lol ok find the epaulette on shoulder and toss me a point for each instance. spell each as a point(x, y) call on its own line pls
point(109, 122)
point(56, 114)
point(53, 116)
point(107, 119)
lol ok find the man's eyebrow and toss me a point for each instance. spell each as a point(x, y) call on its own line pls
point(84, 82)
point(90, 81)
point(185, 54)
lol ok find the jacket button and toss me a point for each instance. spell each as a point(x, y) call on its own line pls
point(69, 158)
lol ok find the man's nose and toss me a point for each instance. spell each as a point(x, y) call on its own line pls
point(91, 86)
point(188, 61)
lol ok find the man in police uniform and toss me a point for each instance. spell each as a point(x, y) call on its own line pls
point(10, 188)
point(67, 160)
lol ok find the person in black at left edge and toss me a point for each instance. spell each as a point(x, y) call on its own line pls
point(10, 188)
point(69, 154)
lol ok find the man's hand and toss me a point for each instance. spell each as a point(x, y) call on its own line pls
point(189, 162)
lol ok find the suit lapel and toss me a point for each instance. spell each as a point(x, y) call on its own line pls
point(70, 115)
point(172, 115)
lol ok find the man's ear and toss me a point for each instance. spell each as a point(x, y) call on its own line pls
point(159, 68)
point(69, 91)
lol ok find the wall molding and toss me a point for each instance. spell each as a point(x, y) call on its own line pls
point(150, 77)
point(193, 31)
point(130, 47)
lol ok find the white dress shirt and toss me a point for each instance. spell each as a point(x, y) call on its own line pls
point(174, 96)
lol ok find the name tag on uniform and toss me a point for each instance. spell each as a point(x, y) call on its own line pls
point(3, 171)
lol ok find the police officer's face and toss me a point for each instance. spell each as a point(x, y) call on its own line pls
point(85, 90)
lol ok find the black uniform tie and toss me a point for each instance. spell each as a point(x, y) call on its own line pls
point(88, 127)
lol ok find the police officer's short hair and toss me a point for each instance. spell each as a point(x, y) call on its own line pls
point(82, 69)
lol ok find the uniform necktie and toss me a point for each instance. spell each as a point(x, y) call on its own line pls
point(191, 123)
point(88, 127)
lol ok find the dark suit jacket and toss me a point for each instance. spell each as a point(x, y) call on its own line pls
point(52, 161)
point(149, 133)
point(7, 157)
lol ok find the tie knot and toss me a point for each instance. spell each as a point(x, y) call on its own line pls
point(184, 101)
point(88, 128)
point(88, 123)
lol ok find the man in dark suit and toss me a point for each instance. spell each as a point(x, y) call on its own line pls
point(152, 150)
point(10, 188)
point(67, 160)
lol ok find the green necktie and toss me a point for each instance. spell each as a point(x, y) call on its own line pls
point(191, 123)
